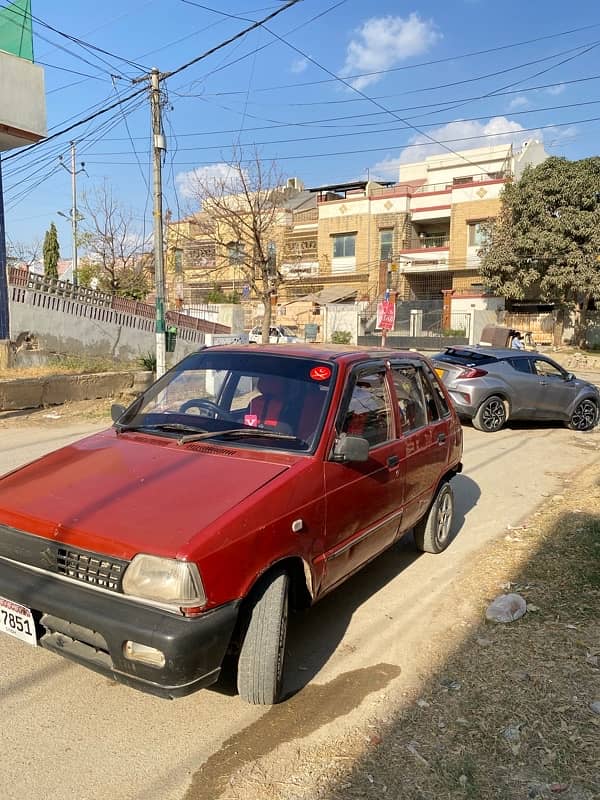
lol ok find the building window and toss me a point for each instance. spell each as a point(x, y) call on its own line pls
point(344, 245)
point(478, 233)
point(386, 244)
point(235, 252)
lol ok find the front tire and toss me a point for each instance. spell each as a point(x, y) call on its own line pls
point(260, 665)
point(432, 532)
point(491, 415)
point(585, 416)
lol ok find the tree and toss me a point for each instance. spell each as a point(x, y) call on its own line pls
point(114, 246)
point(23, 253)
point(547, 238)
point(242, 206)
point(51, 252)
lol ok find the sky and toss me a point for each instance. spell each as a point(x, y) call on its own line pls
point(331, 90)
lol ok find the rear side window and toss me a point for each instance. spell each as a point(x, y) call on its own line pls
point(520, 364)
point(411, 398)
point(436, 389)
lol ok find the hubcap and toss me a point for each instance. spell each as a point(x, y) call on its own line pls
point(585, 416)
point(493, 415)
point(444, 521)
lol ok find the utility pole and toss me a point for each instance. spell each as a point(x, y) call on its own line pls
point(4, 318)
point(158, 147)
point(74, 216)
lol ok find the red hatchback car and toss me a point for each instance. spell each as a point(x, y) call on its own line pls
point(245, 481)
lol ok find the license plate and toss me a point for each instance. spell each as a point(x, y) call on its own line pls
point(439, 372)
point(17, 621)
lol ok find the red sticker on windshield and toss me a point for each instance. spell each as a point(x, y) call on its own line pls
point(320, 373)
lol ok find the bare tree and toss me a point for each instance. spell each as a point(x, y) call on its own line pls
point(26, 253)
point(114, 245)
point(241, 209)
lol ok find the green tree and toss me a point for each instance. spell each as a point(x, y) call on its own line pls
point(51, 252)
point(546, 240)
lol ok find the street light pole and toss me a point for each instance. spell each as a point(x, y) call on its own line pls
point(74, 172)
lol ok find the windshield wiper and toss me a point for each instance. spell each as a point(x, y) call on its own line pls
point(237, 432)
point(162, 426)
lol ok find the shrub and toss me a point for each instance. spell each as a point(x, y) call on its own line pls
point(341, 337)
point(148, 362)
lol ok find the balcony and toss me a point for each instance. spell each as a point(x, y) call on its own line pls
point(438, 241)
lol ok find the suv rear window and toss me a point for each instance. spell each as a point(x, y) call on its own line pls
point(467, 357)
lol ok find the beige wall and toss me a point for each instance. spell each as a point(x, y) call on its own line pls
point(462, 215)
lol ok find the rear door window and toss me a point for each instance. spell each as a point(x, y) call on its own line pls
point(437, 391)
point(369, 411)
point(521, 364)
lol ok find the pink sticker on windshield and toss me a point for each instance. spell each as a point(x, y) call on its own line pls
point(251, 420)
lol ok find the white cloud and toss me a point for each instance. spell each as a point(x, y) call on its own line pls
point(458, 135)
point(518, 102)
point(299, 65)
point(383, 42)
point(558, 89)
point(188, 183)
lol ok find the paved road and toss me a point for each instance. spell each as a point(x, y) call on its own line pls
point(71, 734)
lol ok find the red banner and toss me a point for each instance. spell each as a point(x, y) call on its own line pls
point(386, 315)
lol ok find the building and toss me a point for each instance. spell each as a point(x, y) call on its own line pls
point(418, 237)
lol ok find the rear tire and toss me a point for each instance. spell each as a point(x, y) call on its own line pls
point(491, 415)
point(584, 416)
point(260, 665)
point(432, 532)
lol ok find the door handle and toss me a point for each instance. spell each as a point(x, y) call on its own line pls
point(441, 438)
point(393, 461)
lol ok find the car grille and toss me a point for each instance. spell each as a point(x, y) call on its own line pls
point(96, 570)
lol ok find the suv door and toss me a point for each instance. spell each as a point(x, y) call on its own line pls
point(364, 499)
point(554, 394)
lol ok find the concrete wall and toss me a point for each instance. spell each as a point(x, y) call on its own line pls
point(339, 317)
point(22, 102)
point(62, 325)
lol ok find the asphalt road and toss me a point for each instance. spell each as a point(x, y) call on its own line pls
point(71, 734)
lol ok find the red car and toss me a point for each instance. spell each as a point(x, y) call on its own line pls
point(246, 480)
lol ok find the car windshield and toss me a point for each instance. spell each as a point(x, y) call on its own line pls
point(257, 400)
point(285, 331)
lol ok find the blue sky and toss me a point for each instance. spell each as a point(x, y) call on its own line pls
point(283, 98)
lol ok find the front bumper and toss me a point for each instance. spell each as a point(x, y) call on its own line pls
point(91, 626)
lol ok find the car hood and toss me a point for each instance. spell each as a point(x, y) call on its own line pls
point(121, 495)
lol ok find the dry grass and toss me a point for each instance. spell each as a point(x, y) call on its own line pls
point(508, 714)
point(68, 365)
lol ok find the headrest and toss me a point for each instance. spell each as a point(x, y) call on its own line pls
point(271, 385)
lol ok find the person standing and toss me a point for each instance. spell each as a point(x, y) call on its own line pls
point(517, 342)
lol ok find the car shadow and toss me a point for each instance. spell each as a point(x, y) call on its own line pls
point(315, 633)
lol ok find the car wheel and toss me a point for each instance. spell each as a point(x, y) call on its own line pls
point(260, 665)
point(585, 416)
point(432, 533)
point(491, 415)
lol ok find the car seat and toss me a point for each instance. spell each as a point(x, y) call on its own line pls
point(268, 405)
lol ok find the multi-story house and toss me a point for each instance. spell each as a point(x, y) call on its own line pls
point(418, 236)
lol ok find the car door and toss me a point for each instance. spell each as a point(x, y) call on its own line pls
point(554, 393)
point(424, 438)
point(363, 499)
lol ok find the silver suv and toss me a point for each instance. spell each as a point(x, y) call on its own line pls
point(490, 386)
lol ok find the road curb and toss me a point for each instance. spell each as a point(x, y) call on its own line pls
point(52, 390)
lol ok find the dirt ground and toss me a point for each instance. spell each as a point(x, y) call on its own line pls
point(498, 711)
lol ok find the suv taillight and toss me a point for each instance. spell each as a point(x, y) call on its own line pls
point(471, 372)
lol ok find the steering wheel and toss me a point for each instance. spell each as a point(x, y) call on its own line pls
point(206, 405)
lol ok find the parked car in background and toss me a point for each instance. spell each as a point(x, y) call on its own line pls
point(492, 385)
point(278, 334)
point(244, 482)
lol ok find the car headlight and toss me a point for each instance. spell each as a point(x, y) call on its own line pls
point(164, 580)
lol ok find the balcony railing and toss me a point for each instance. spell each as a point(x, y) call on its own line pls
point(424, 242)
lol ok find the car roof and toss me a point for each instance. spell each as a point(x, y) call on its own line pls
point(323, 352)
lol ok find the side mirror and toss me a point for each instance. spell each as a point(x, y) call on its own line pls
point(350, 448)
point(116, 412)
point(570, 376)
